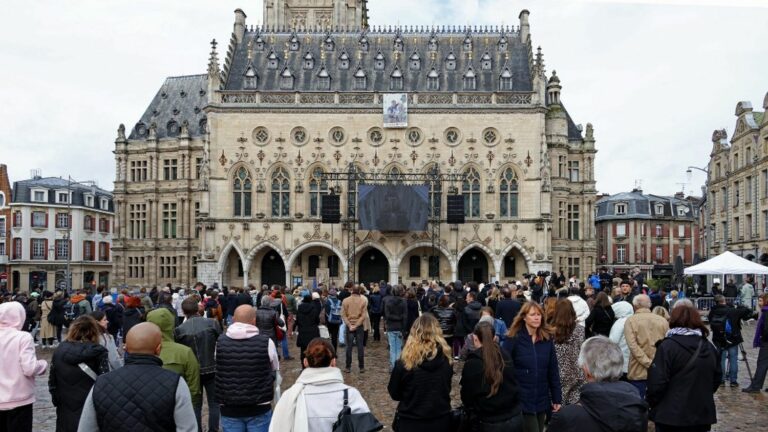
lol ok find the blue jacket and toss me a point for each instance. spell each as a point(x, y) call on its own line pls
point(594, 280)
point(536, 372)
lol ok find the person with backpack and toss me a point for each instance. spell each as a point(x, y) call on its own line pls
point(80, 305)
point(725, 323)
point(333, 317)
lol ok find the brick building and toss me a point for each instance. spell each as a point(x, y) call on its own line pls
point(647, 232)
point(5, 229)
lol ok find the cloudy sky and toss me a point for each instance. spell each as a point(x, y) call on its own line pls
point(655, 77)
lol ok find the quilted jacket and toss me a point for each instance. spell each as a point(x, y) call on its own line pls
point(536, 371)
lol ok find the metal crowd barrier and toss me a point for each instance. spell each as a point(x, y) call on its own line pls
point(706, 303)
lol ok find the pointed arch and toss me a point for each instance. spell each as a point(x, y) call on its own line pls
point(521, 249)
point(471, 190)
point(371, 244)
point(232, 244)
point(324, 244)
point(490, 255)
point(262, 245)
point(316, 186)
point(280, 190)
point(241, 181)
point(509, 192)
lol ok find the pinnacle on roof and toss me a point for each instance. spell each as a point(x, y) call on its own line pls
point(213, 60)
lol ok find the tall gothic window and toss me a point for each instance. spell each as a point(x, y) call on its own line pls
point(352, 184)
point(317, 187)
point(435, 191)
point(508, 194)
point(242, 193)
point(470, 188)
point(281, 193)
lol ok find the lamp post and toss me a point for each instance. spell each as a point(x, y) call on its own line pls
point(68, 239)
point(707, 214)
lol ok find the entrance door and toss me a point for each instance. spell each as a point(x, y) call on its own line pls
point(38, 280)
point(373, 267)
point(473, 266)
point(272, 269)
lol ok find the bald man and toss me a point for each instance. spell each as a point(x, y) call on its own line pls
point(246, 367)
point(141, 395)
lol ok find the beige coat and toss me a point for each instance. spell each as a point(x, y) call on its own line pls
point(641, 331)
point(47, 330)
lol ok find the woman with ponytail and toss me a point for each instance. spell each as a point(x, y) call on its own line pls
point(488, 387)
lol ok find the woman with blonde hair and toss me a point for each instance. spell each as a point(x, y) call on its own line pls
point(421, 379)
point(661, 311)
point(529, 344)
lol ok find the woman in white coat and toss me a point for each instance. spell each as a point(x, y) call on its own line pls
point(314, 402)
point(622, 310)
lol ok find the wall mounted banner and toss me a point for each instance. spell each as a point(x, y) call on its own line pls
point(395, 110)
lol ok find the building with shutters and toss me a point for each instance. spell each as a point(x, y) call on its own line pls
point(5, 227)
point(53, 222)
point(222, 178)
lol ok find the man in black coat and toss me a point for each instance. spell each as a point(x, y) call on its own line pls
point(727, 343)
point(602, 361)
point(507, 308)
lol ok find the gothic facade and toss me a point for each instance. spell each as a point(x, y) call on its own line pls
point(224, 174)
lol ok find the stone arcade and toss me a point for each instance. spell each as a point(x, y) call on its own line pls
point(221, 178)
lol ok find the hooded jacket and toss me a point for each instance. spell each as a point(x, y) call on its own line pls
point(424, 392)
point(681, 396)
point(175, 356)
point(735, 315)
point(603, 407)
point(68, 384)
point(622, 310)
point(581, 307)
point(17, 355)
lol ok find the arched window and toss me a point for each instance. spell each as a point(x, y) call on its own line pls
point(395, 175)
point(242, 193)
point(508, 194)
point(435, 191)
point(470, 188)
point(317, 187)
point(281, 193)
point(352, 184)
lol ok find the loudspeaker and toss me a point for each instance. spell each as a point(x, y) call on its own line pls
point(455, 209)
point(329, 209)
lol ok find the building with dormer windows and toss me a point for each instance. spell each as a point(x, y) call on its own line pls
point(222, 178)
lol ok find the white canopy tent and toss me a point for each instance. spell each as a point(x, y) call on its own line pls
point(726, 263)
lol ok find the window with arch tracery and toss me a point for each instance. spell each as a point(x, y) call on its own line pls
point(470, 189)
point(281, 193)
point(435, 191)
point(317, 187)
point(352, 184)
point(395, 175)
point(243, 186)
point(508, 194)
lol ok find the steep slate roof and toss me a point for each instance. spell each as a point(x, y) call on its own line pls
point(640, 206)
point(22, 191)
point(179, 99)
point(263, 44)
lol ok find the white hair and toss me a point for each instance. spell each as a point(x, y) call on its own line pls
point(602, 358)
point(682, 302)
point(641, 301)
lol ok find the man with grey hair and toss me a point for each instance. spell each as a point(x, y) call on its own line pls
point(641, 331)
point(606, 404)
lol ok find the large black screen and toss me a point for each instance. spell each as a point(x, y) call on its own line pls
point(393, 207)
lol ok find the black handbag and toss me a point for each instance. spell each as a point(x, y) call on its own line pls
point(348, 422)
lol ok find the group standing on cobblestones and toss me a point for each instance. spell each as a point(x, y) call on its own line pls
point(544, 352)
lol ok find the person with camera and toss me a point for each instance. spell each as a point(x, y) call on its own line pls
point(725, 323)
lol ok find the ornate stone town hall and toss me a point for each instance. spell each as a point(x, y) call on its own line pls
point(222, 177)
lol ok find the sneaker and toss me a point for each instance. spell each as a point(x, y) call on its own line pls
point(750, 390)
point(455, 357)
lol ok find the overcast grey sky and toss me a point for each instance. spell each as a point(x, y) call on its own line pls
point(655, 77)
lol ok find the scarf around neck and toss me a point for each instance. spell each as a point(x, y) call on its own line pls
point(682, 331)
point(290, 413)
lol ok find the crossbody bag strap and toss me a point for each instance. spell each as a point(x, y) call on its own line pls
point(346, 396)
point(693, 357)
point(88, 371)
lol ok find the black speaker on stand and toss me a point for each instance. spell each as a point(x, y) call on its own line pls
point(455, 210)
point(329, 209)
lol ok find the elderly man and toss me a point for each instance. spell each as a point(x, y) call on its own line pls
point(641, 331)
point(602, 360)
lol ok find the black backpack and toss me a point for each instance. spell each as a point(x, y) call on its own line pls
point(722, 330)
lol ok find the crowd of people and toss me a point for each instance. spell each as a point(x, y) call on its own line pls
point(545, 352)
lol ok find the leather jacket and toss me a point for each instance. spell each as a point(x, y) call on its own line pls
point(200, 334)
point(446, 316)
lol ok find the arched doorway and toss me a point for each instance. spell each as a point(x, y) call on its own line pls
point(272, 269)
point(514, 265)
point(473, 266)
point(232, 272)
point(374, 267)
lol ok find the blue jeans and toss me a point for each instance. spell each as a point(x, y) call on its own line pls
point(284, 343)
point(732, 373)
point(208, 382)
point(247, 424)
point(641, 386)
point(395, 339)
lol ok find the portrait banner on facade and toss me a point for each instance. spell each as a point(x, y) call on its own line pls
point(395, 110)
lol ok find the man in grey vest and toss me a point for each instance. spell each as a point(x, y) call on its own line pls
point(141, 395)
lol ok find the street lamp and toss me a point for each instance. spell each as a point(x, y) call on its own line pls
point(68, 239)
point(707, 214)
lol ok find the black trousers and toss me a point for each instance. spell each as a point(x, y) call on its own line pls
point(375, 321)
point(16, 420)
point(333, 330)
point(762, 368)
point(353, 338)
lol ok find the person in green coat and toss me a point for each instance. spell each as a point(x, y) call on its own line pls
point(175, 356)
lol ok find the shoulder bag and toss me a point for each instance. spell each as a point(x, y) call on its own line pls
point(348, 422)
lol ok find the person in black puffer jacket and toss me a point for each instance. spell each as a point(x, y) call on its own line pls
point(601, 318)
point(446, 316)
point(68, 383)
point(602, 361)
point(307, 322)
point(681, 392)
point(421, 380)
point(488, 386)
point(375, 309)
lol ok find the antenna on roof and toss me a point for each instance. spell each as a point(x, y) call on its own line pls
point(638, 184)
point(36, 173)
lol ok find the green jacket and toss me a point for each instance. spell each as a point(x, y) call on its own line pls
point(175, 356)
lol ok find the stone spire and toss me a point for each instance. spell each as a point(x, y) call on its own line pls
point(553, 89)
point(214, 73)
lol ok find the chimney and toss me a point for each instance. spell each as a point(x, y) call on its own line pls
point(525, 28)
point(680, 195)
point(239, 25)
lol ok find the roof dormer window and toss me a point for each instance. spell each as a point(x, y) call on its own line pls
point(309, 61)
point(294, 43)
point(272, 61)
point(259, 43)
point(398, 44)
point(104, 204)
point(486, 62)
point(470, 81)
point(361, 80)
point(415, 61)
point(39, 195)
point(433, 80)
point(620, 209)
point(330, 45)
point(433, 45)
point(250, 78)
point(450, 62)
point(468, 43)
point(62, 197)
point(396, 79)
point(286, 79)
point(363, 43)
point(505, 80)
point(378, 62)
point(323, 79)
point(659, 209)
point(344, 61)
point(503, 44)
point(88, 199)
